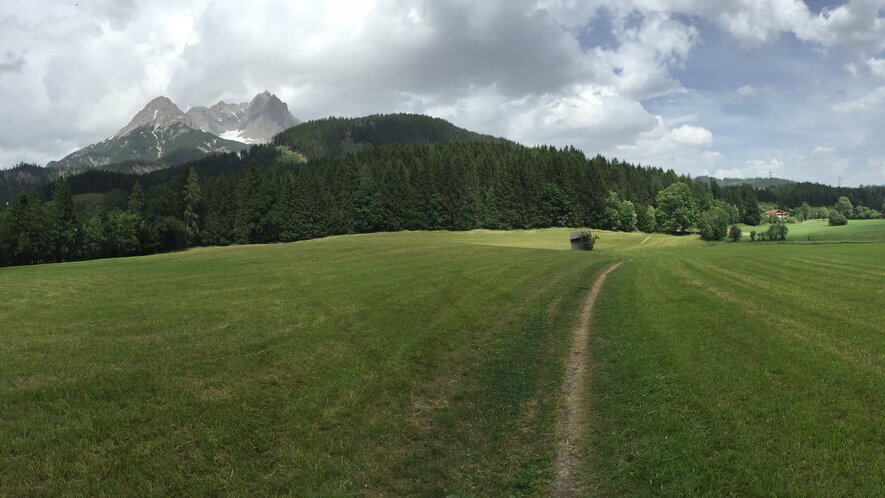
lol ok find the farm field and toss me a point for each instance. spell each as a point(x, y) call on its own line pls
point(740, 369)
point(388, 364)
point(431, 363)
point(820, 230)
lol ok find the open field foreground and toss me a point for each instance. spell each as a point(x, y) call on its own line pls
point(741, 370)
point(380, 364)
point(433, 364)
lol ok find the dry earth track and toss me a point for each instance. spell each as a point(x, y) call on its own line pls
point(571, 417)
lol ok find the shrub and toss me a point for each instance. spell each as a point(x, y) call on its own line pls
point(836, 218)
point(777, 231)
point(791, 219)
point(735, 233)
point(771, 219)
point(713, 224)
point(752, 235)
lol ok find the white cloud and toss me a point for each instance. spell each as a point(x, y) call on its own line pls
point(870, 102)
point(746, 90)
point(511, 68)
point(877, 67)
point(692, 135)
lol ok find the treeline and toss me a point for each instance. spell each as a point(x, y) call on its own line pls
point(793, 195)
point(262, 196)
point(257, 198)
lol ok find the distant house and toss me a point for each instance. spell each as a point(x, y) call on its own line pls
point(776, 212)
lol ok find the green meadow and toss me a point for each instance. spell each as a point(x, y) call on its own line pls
point(389, 364)
point(740, 370)
point(432, 363)
point(821, 231)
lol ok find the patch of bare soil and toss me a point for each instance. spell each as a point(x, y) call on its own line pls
point(574, 390)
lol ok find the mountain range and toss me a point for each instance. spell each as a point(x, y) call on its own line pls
point(162, 135)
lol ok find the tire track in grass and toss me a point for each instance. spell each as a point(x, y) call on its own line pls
point(574, 390)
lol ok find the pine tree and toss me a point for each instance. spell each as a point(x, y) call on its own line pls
point(137, 199)
point(66, 229)
point(32, 228)
point(191, 199)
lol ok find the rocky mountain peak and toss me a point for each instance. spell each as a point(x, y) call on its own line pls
point(256, 121)
point(160, 112)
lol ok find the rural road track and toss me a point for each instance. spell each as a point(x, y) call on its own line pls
point(571, 417)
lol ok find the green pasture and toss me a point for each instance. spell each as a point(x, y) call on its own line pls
point(389, 364)
point(431, 364)
point(740, 370)
point(820, 230)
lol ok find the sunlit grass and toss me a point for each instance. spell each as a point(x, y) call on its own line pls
point(388, 364)
point(740, 369)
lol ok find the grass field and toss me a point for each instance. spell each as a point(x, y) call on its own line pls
point(740, 370)
point(820, 230)
point(432, 364)
point(389, 364)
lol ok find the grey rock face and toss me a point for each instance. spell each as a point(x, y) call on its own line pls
point(250, 122)
point(159, 114)
point(161, 130)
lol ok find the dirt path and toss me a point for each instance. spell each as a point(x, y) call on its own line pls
point(571, 416)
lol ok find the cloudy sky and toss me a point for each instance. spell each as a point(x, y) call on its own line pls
point(722, 87)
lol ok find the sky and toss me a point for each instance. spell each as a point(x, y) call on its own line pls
point(729, 88)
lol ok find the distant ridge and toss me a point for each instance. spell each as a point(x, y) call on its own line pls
point(162, 135)
point(758, 182)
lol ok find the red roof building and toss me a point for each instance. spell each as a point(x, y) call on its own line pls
point(776, 212)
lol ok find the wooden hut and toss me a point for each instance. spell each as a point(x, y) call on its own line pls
point(579, 242)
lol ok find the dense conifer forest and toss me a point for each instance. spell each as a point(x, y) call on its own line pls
point(379, 173)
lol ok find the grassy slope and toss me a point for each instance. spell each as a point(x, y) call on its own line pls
point(740, 369)
point(387, 364)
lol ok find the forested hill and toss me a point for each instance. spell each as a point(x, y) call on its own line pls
point(22, 178)
point(336, 137)
point(266, 195)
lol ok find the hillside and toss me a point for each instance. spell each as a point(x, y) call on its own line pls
point(335, 137)
point(22, 178)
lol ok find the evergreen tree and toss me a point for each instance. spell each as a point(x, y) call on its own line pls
point(66, 228)
point(136, 199)
point(7, 238)
point(218, 224)
point(752, 212)
point(191, 197)
point(254, 204)
point(368, 207)
point(33, 231)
